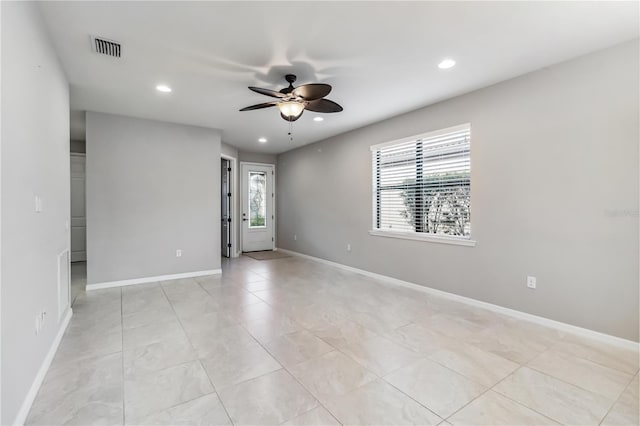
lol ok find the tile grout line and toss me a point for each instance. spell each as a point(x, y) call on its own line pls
point(590, 360)
point(381, 378)
point(613, 404)
point(281, 308)
point(525, 365)
point(423, 357)
point(491, 388)
point(426, 357)
point(282, 367)
point(215, 390)
point(600, 364)
point(415, 400)
point(205, 370)
point(287, 370)
point(555, 343)
point(279, 305)
point(366, 369)
point(184, 330)
point(568, 383)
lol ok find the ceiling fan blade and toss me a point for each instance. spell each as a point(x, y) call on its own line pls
point(311, 92)
point(267, 92)
point(259, 106)
point(323, 105)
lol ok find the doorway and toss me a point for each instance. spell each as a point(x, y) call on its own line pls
point(258, 213)
point(225, 202)
point(229, 209)
point(78, 257)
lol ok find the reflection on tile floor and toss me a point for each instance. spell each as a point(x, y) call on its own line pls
point(291, 341)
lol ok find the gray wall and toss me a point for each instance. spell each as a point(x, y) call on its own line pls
point(257, 157)
point(35, 161)
point(554, 195)
point(229, 150)
point(152, 187)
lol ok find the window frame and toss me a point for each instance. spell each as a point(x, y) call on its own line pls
point(416, 236)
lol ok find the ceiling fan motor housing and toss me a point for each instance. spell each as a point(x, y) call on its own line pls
point(291, 78)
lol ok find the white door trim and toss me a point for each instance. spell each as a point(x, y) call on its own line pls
point(235, 245)
point(275, 216)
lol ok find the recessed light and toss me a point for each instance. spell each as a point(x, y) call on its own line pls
point(163, 88)
point(262, 140)
point(446, 64)
point(318, 119)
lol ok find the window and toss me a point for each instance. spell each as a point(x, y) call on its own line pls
point(422, 186)
point(257, 205)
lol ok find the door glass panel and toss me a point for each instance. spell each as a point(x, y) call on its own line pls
point(257, 199)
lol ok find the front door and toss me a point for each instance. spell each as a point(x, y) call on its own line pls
point(257, 207)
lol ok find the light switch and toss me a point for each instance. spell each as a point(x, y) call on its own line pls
point(38, 204)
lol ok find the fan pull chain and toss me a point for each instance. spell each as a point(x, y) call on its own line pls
point(290, 130)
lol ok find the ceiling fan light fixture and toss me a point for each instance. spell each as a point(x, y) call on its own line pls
point(291, 109)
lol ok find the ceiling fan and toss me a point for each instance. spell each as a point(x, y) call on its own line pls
point(292, 101)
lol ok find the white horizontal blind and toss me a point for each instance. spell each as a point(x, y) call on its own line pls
point(424, 185)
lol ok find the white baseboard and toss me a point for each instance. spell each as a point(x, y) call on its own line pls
point(21, 417)
point(561, 326)
point(122, 283)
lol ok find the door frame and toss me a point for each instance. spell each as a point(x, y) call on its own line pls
point(235, 248)
point(273, 184)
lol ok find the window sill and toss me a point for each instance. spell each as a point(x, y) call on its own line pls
point(424, 237)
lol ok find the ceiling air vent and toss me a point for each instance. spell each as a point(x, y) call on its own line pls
point(106, 47)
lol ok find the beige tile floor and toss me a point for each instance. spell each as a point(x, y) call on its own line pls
point(291, 341)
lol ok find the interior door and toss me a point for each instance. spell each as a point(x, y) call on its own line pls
point(257, 207)
point(78, 219)
point(226, 208)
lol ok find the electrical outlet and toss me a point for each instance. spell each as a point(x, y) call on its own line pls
point(348, 246)
point(295, 237)
point(531, 282)
point(178, 253)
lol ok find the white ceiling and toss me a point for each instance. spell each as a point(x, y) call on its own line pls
point(380, 57)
